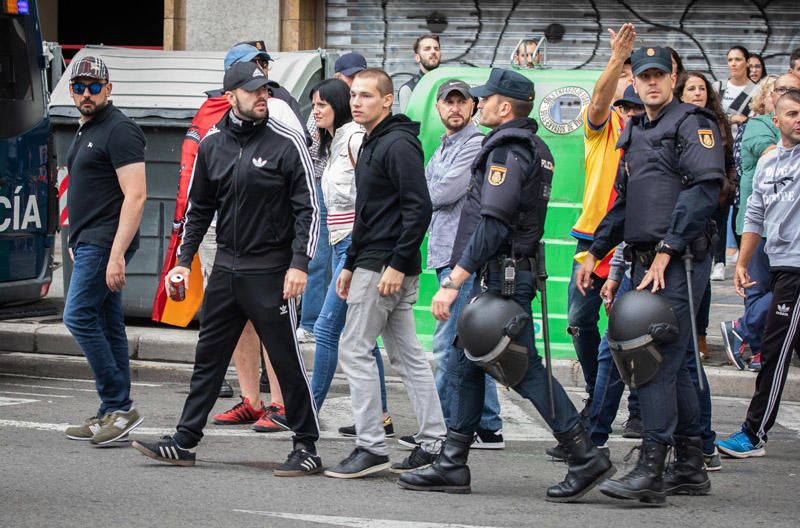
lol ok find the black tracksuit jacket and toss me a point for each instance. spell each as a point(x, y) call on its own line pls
point(257, 177)
point(393, 207)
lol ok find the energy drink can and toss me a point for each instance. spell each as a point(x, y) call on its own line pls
point(177, 288)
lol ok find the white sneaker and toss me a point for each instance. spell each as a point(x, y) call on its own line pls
point(718, 272)
point(304, 336)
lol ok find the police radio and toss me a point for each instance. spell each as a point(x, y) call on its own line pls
point(509, 277)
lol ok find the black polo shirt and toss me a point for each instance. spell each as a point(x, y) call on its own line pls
point(108, 141)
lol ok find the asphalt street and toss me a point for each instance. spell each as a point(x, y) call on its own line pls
point(48, 480)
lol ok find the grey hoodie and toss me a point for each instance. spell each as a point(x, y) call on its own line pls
point(774, 206)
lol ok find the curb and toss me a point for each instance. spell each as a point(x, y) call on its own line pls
point(175, 345)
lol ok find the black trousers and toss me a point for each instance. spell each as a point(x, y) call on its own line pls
point(231, 299)
point(779, 341)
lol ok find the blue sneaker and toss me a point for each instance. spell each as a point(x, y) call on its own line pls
point(738, 445)
point(734, 344)
point(755, 363)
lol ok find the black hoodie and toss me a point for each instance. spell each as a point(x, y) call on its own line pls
point(393, 207)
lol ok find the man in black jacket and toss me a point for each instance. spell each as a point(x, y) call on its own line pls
point(380, 279)
point(255, 173)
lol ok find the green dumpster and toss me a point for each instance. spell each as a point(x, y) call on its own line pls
point(560, 98)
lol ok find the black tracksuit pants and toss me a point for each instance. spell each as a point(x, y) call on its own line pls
point(231, 299)
point(778, 343)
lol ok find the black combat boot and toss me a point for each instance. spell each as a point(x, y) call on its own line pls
point(645, 481)
point(588, 466)
point(687, 474)
point(448, 473)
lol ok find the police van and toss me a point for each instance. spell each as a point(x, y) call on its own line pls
point(27, 195)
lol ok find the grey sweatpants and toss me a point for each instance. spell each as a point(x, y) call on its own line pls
point(370, 315)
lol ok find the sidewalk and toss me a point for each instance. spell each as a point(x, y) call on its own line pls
point(153, 342)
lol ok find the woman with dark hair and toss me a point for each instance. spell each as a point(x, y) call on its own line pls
point(756, 69)
point(694, 88)
point(340, 138)
point(677, 63)
point(735, 94)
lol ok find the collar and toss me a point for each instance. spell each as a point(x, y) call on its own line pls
point(463, 134)
point(669, 106)
point(101, 115)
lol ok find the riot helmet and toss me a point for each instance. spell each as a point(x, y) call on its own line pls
point(640, 322)
point(488, 331)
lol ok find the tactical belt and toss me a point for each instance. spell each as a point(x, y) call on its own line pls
point(522, 264)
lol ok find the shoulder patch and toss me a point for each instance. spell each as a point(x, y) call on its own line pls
point(706, 137)
point(497, 175)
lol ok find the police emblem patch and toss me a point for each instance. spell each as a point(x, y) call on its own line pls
point(497, 175)
point(706, 137)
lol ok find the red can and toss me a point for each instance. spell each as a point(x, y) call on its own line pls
point(177, 288)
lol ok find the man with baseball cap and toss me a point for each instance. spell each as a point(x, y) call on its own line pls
point(666, 198)
point(348, 65)
point(448, 174)
point(256, 176)
point(501, 225)
point(107, 193)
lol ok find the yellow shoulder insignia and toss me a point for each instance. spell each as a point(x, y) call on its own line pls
point(706, 137)
point(497, 175)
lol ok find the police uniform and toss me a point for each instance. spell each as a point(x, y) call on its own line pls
point(504, 217)
point(673, 169)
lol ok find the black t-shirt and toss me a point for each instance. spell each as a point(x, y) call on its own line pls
point(108, 141)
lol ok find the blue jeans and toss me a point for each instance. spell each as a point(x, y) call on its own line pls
point(583, 315)
point(757, 300)
point(328, 330)
point(466, 381)
point(319, 269)
point(93, 315)
point(704, 400)
point(443, 338)
point(609, 387)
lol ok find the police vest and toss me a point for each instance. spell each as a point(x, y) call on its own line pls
point(652, 178)
point(526, 223)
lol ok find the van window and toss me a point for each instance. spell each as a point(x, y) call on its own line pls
point(15, 72)
point(22, 97)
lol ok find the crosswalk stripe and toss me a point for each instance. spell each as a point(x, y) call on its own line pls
point(357, 522)
point(133, 383)
point(35, 394)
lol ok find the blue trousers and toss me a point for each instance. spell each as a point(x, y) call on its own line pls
point(757, 300)
point(467, 382)
point(93, 315)
point(328, 330)
point(609, 387)
point(443, 347)
point(583, 316)
point(319, 270)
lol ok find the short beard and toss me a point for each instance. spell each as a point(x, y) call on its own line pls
point(428, 66)
point(464, 123)
point(91, 110)
point(249, 114)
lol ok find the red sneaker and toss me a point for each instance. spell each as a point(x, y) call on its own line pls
point(274, 421)
point(241, 413)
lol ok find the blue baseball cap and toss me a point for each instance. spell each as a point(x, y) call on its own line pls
point(655, 57)
point(629, 97)
point(350, 64)
point(507, 83)
point(244, 53)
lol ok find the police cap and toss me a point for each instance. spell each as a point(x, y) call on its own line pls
point(507, 83)
point(653, 57)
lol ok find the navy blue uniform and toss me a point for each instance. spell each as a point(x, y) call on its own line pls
point(668, 191)
point(504, 215)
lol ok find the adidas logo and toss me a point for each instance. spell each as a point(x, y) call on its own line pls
point(258, 73)
point(258, 162)
point(783, 310)
point(284, 310)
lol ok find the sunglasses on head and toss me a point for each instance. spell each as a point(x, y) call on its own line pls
point(262, 62)
point(94, 88)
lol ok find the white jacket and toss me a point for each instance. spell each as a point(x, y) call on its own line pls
point(338, 180)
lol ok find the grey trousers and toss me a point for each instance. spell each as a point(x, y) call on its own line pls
point(370, 315)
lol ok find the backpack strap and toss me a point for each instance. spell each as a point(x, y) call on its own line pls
point(350, 150)
point(742, 102)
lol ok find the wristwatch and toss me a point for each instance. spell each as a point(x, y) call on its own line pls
point(448, 283)
point(662, 247)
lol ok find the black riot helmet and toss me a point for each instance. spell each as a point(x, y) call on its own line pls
point(639, 322)
point(488, 328)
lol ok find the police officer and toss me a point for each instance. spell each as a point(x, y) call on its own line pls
point(673, 168)
point(503, 219)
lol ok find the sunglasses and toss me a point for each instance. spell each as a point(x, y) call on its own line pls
point(263, 63)
point(94, 88)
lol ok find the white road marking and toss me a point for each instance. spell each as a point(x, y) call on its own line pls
point(76, 380)
point(357, 522)
point(47, 387)
point(789, 417)
point(34, 394)
point(518, 424)
point(14, 401)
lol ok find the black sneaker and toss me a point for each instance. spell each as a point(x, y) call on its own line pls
point(300, 463)
point(388, 429)
point(408, 442)
point(489, 440)
point(166, 450)
point(225, 390)
point(360, 463)
point(418, 459)
point(632, 427)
